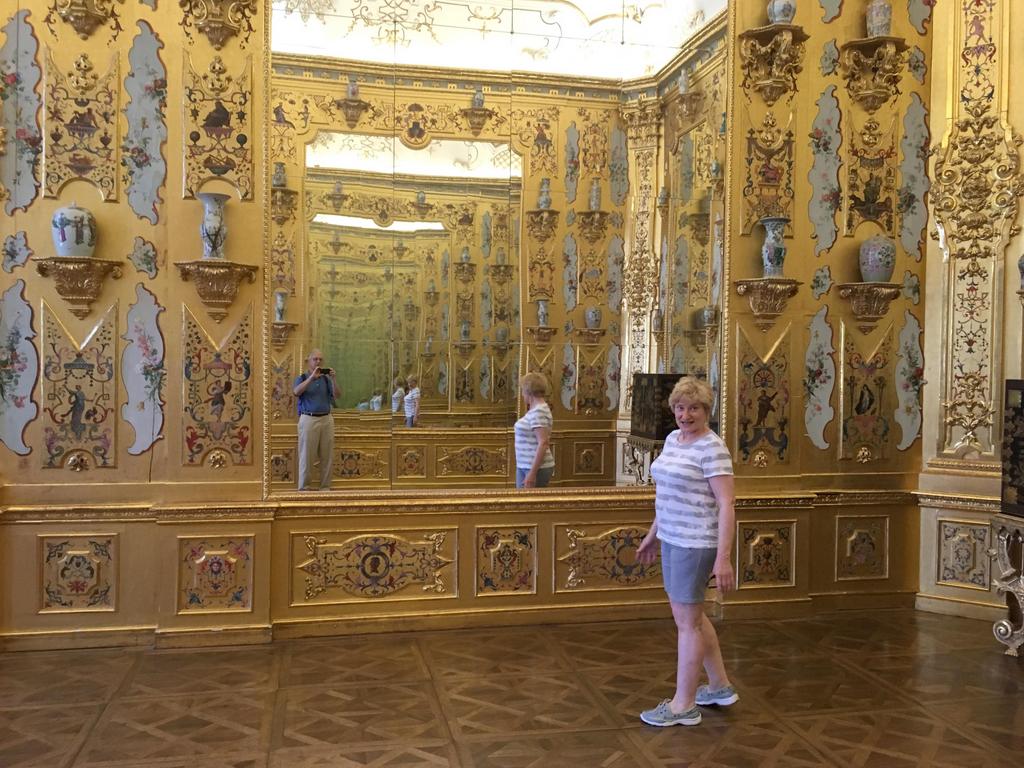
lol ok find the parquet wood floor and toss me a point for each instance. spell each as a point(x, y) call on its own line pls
point(870, 690)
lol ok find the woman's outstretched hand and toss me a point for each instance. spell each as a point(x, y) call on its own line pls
point(725, 579)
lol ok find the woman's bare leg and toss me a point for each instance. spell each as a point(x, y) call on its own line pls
point(691, 653)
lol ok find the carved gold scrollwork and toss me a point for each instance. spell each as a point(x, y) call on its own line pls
point(768, 297)
point(873, 69)
point(592, 224)
point(79, 281)
point(216, 282)
point(352, 109)
point(869, 301)
point(476, 118)
point(219, 20)
point(279, 333)
point(85, 16)
point(771, 57)
point(541, 224)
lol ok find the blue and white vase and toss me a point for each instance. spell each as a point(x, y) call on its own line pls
point(773, 250)
point(544, 196)
point(877, 259)
point(781, 11)
point(592, 318)
point(213, 230)
point(74, 231)
point(878, 18)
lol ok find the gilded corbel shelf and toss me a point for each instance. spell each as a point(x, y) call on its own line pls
point(869, 301)
point(431, 297)
point(542, 333)
point(541, 224)
point(352, 109)
point(690, 104)
point(86, 16)
point(592, 225)
point(771, 57)
point(283, 204)
point(464, 347)
point(589, 335)
point(465, 271)
point(476, 118)
point(78, 279)
point(768, 297)
point(216, 282)
point(219, 20)
point(1020, 295)
point(501, 273)
point(699, 336)
point(500, 347)
point(279, 333)
point(873, 68)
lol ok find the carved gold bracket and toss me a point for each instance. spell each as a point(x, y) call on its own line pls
point(873, 69)
point(771, 57)
point(79, 280)
point(541, 224)
point(85, 16)
point(282, 204)
point(592, 224)
point(477, 118)
point(219, 20)
point(768, 297)
point(216, 282)
point(464, 347)
point(542, 333)
point(869, 301)
point(465, 272)
point(501, 273)
point(690, 104)
point(589, 335)
point(279, 333)
point(431, 297)
point(699, 336)
point(352, 109)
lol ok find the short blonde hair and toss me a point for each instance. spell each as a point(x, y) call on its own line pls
point(693, 389)
point(534, 384)
point(398, 382)
point(412, 381)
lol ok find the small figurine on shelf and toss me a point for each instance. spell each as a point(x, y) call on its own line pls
point(663, 196)
point(464, 257)
point(278, 179)
point(280, 297)
point(352, 91)
point(595, 195)
point(684, 82)
point(421, 198)
point(542, 313)
point(478, 98)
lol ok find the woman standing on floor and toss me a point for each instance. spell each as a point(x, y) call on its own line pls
point(534, 461)
point(694, 520)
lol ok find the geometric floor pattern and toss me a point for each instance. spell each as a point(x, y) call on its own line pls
point(871, 690)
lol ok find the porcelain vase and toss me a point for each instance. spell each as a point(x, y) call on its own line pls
point(279, 177)
point(773, 250)
point(877, 259)
point(544, 196)
point(781, 11)
point(542, 313)
point(280, 298)
point(1020, 268)
point(592, 317)
point(213, 229)
point(878, 18)
point(595, 195)
point(74, 231)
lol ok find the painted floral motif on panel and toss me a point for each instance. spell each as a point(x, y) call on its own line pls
point(20, 105)
point(963, 557)
point(143, 372)
point(819, 380)
point(763, 403)
point(821, 283)
point(616, 258)
point(911, 287)
point(506, 560)
point(826, 196)
point(217, 122)
point(866, 396)
point(607, 558)
point(613, 376)
point(921, 13)
point(145, 169)
point(766, 555)
point(568, 378)
point(375, 565)
point(909, 381)
point(914, 175)
point(19, 362)
point(144, 257)
point(79, 573)
point(917, 64)
point(830, 9)
point(871, 177)
point(81, 135)
point(862, 548)
point(217, 382)
point(618, 167)
point(572, 162)
point(79, 393)
point(16, 251)
point(215, 574)
point(569, 272)
point(829, 58)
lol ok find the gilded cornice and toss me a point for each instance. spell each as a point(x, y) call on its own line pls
point(959, 503)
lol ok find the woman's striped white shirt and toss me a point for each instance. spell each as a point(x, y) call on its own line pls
point(684, 505)
point(527, 440)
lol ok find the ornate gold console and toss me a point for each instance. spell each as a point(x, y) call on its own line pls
point(365, 562)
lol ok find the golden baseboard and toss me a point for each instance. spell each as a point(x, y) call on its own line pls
point(213, 636)
point(120, 637)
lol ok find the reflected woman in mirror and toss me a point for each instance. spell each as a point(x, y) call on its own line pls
point(412, 402)
point(534, 461)
point(694, 520)
point(398, 395)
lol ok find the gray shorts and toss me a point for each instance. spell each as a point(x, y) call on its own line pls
point(686, 572)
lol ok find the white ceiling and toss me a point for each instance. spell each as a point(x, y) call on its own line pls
point(609, 39)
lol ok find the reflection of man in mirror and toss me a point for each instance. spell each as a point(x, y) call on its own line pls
point(316, 390)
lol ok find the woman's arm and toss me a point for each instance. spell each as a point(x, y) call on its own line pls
point(648, 550)
point(543, 438)
point(723, 488)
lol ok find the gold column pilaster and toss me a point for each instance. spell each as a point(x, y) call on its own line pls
point(643, 121)
point(978, 182)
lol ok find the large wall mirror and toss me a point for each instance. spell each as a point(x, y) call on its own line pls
point(463, 219)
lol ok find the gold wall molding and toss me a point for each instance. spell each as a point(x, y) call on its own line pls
point(219, 20)
point(766, 554)
point(862, 547)
point(78, 573)
point(976, 192)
